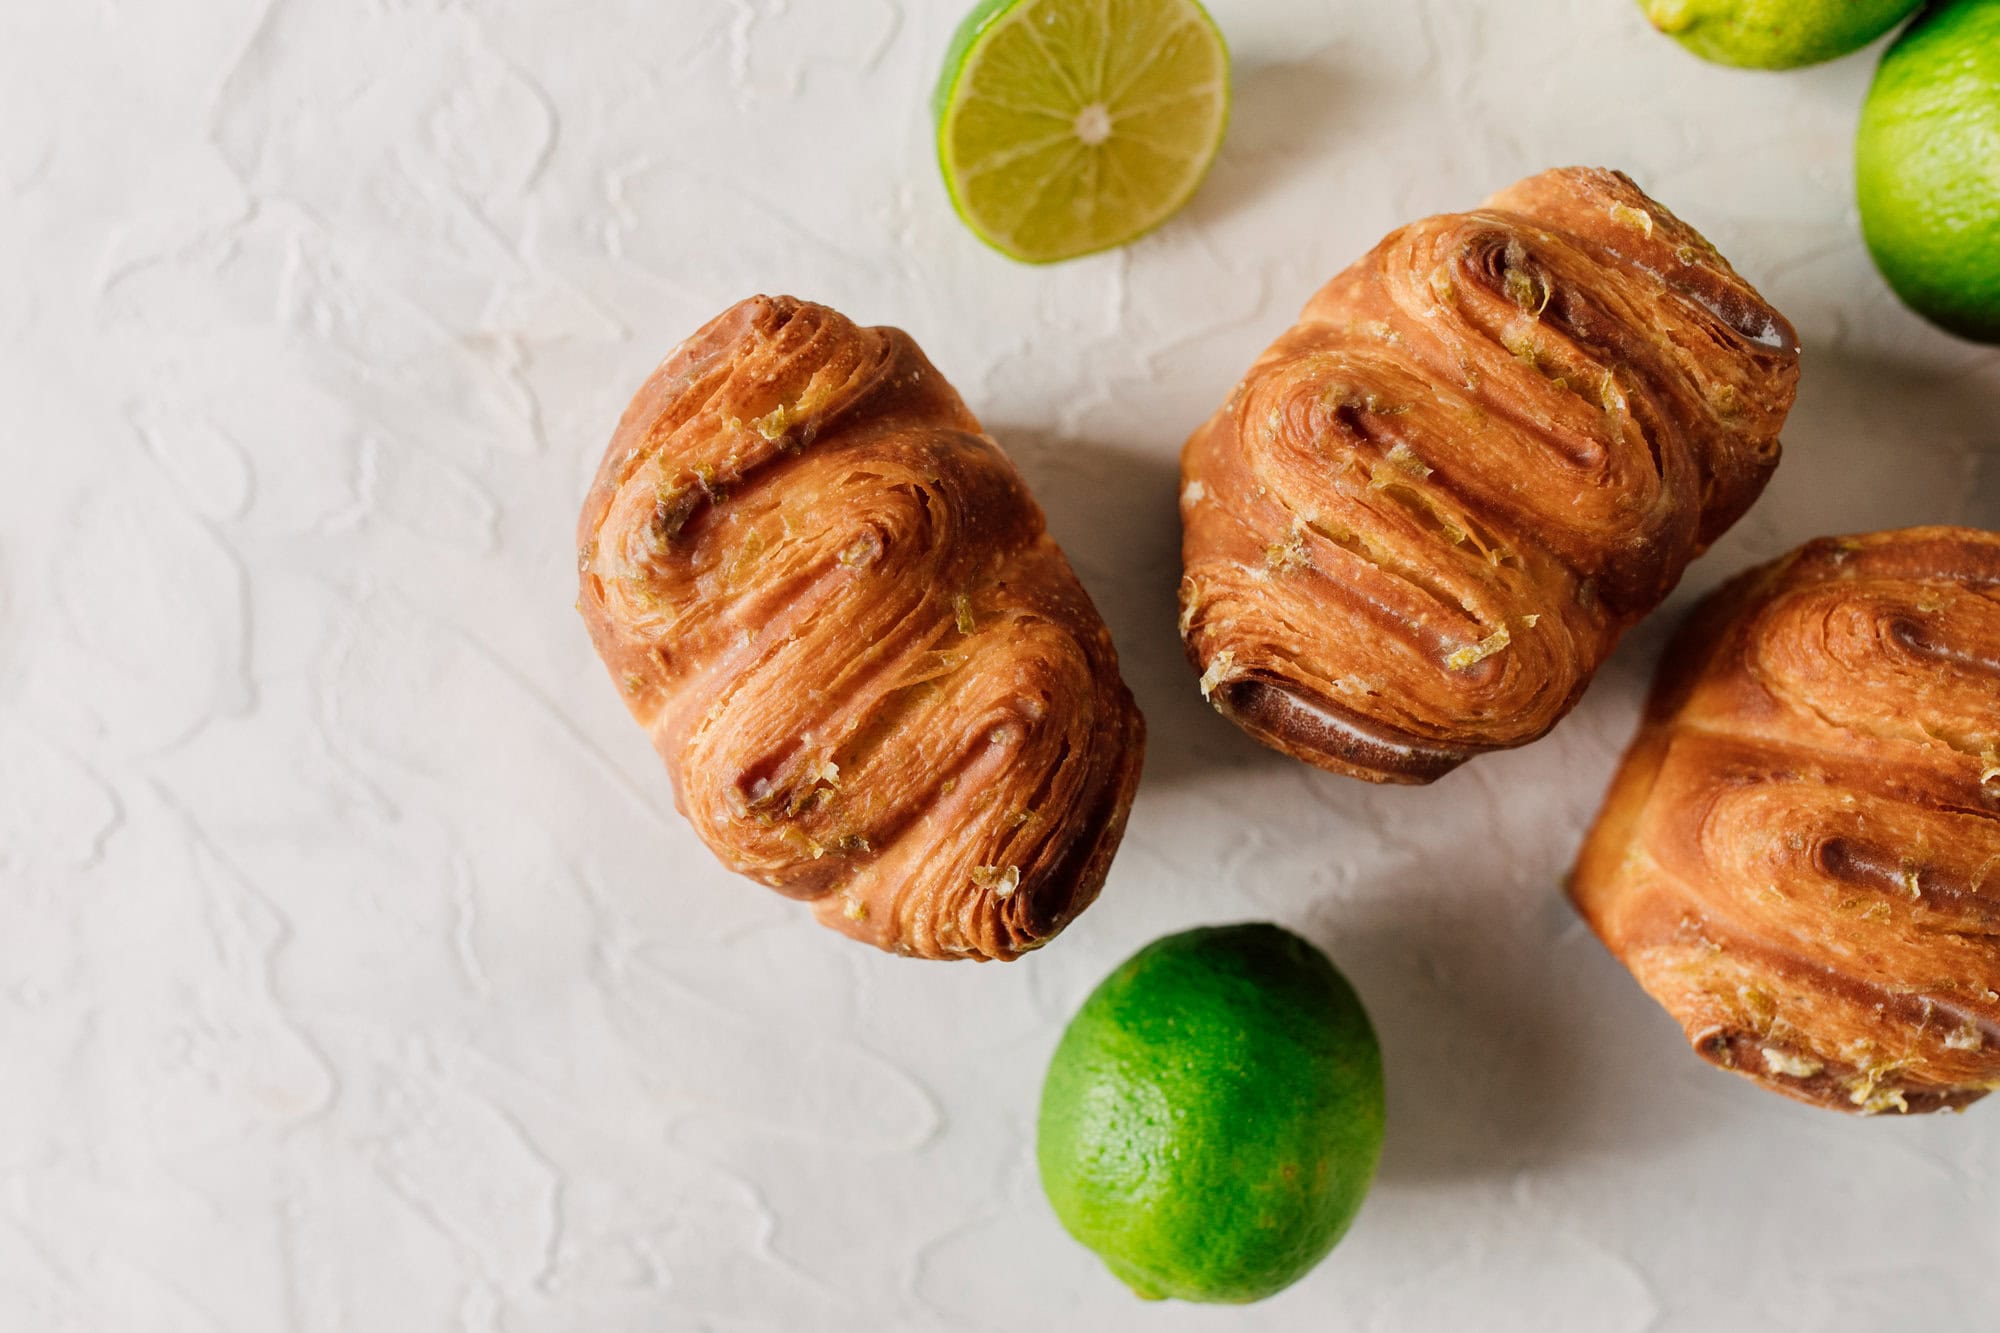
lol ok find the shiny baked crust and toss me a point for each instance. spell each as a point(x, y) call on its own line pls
point(1427, 513)
point(1800, 856)
point(875, 681)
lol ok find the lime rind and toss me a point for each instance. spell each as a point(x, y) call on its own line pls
point(969, 29)
point(1775, 34)
point(1212, 1118)
point(1927, 168)
point(1044, 198)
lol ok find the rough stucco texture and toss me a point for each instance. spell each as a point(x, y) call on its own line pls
point(355, 973)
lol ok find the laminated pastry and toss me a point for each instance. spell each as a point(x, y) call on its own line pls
point(1800, 856)
point(875, 681)
point(1425, 516)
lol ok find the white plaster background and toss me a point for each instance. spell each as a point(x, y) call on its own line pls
point(355, 973)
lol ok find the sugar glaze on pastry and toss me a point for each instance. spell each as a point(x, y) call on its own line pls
point(875, 681)
point(1430, 509)
point(1800, 856)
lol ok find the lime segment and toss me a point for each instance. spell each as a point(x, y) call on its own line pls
point(1071, 126)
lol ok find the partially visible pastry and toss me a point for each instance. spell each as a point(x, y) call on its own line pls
point(1800, 856)
point(1426, 515)
point(876, 683)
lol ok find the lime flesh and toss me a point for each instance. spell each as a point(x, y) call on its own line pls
point(1213, 1116)
point(1066, 127)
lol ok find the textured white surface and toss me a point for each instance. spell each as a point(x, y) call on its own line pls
point(355, 973)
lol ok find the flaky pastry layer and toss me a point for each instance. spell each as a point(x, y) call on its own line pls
point(1429, 510)
point(1800, 855)
point(875, 681)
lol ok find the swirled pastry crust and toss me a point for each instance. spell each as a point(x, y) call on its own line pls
point(1800, 857)
point(876, 683)
point(1427, 513)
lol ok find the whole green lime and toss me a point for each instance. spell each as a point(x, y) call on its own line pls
point(1775, 34)
point(1927, 167)
point(1213, 1116)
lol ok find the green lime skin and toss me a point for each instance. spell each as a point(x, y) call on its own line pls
point(1213, 1116)
point(1775, 34)
point(968, 31)
point(1927, 167)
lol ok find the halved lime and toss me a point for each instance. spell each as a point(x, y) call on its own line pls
point(1069, 126)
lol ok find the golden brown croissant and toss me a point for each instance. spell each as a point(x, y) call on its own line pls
point(1425, 516)
point(875, 681)
point(1800, 857)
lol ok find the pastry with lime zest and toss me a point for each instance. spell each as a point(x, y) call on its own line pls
point(1066, 127)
